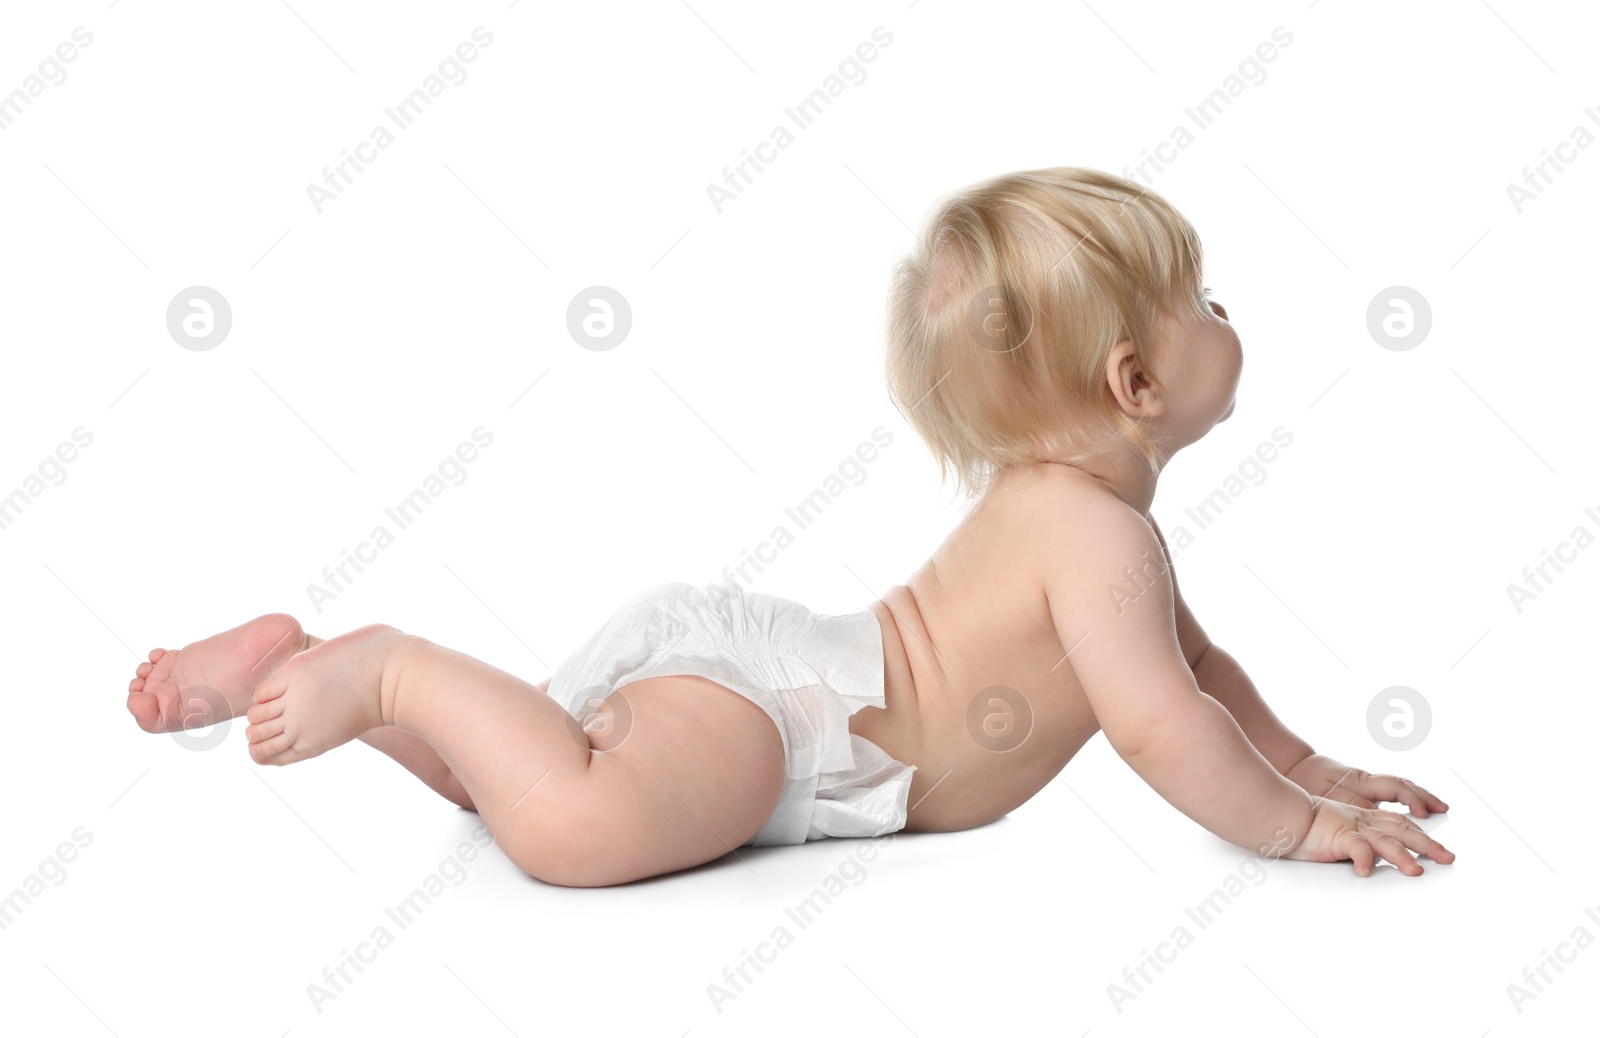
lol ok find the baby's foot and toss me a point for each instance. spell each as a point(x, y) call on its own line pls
point(211, 680)
point(322, 698)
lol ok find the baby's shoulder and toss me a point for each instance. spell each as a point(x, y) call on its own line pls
point(1063, 507)
point(1071, 526)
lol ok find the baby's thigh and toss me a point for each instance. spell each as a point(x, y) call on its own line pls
point(687, 771)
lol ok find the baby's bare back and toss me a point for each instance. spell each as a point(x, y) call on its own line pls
point(980, 695)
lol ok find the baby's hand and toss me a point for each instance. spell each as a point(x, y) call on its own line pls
point(1343, 831)
point(1325, 777)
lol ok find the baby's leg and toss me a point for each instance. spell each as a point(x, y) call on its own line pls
point(415, 755)
point(211, 680)
point(422, 760)
point(680, 770)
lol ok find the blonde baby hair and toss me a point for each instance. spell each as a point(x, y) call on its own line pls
point(1001, 320)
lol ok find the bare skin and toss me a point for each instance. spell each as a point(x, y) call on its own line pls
point(1023, 580)
point(213, 679)
point(215, 676)
point(696, 776)
point(1014, 611)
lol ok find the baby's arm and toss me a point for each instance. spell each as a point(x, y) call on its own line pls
point(1127, 657)
point(1221, 677)
point(1185, 744)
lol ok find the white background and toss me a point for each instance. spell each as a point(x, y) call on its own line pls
point(368, 340)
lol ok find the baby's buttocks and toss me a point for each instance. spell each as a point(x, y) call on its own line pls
point(808, 672)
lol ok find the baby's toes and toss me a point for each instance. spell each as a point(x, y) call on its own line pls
point(265, 711)
point(145, 708)
point(270, 689)
point(139, 675)
point(265, 751)
point(156, 654)
point(264, 731)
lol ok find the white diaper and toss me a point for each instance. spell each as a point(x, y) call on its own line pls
point(808, 671)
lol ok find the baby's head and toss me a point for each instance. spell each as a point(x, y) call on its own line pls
point(1057, 315)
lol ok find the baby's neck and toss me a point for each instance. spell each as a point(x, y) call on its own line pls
point(1125, 474)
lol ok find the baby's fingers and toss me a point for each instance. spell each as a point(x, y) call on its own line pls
point(1393, 789)
point(1433, 802)
point(1392, 850)
point(1420, 841)
point(1355, 847)
point(1348, 796)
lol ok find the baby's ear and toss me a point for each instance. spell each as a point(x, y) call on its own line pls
point(1131, 384)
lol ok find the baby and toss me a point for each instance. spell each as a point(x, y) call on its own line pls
point(1051, 341)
